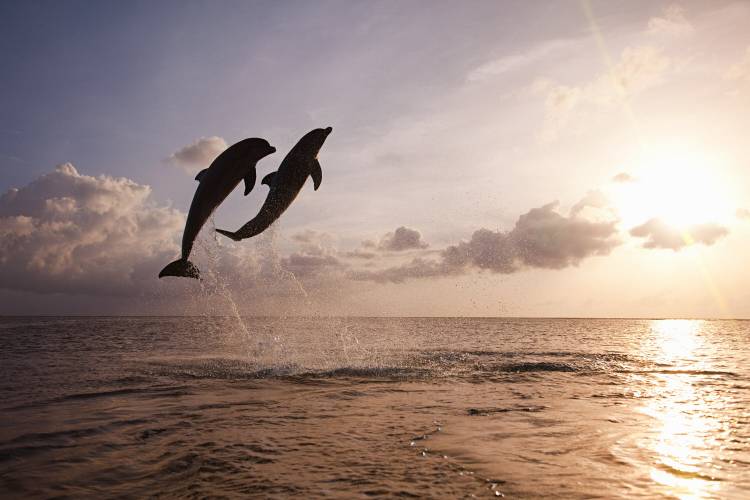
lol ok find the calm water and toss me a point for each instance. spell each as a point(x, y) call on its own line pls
point(449, 408)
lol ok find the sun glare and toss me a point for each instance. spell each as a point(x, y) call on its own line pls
point(680, 187)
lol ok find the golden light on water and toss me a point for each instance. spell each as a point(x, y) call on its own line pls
point(681, 442)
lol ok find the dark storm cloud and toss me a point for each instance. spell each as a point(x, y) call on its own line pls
point(541, 238)
point(403, 238)
point(659, 234)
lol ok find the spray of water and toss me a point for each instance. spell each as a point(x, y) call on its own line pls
point(288, 342)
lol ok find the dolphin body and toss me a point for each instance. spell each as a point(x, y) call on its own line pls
point(286, 183)
point(236, 163)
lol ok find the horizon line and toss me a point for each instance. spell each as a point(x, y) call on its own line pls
point(296, 316)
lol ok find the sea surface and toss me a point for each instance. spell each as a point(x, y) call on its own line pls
point(135, 407)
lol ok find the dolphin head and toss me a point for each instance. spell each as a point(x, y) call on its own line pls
point(312, 141)
point(256, 148)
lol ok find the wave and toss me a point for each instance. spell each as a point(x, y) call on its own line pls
point(472, 365)
point(161, 391)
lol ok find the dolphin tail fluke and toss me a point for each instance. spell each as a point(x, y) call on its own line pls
point(181, 267)
point(229, 234)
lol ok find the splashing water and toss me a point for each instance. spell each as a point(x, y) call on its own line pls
point(267, 347)
point(227, 303)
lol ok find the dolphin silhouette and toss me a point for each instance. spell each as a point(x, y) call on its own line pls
point(237, 162)
point(286, 183)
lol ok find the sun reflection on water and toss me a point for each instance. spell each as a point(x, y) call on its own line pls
point(683, 440)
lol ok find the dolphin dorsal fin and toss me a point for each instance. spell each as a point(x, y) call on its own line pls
point(316, 173)
point(268, 179)
point(250, 181)
point(201, 174)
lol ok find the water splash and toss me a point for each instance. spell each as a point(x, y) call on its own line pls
point(278, 343)
point(215, 283)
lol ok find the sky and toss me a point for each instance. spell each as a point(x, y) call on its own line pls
point(499, 158)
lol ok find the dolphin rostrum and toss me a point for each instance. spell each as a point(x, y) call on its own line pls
point(286, 183)
point(236, 163)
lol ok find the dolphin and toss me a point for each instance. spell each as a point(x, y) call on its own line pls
point(236, 163)
point(286, 183)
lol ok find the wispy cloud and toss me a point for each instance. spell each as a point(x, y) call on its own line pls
point(638, 69)
point(671, 22)
point(740, 71)
point(513, 62)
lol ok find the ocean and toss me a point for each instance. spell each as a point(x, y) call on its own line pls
point(223, 407)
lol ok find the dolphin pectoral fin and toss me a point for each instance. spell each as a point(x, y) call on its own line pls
point(268, 179)
point(250, 181)
point(317, 174)
point(201, 174)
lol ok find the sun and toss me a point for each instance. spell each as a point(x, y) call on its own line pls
point(681, 187)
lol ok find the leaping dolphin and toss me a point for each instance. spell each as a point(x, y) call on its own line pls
point(286, 183)
point(237, 162)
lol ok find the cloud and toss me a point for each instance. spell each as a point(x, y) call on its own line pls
point(401, 239)
point(541, 238)
point(638, 69)
point(672, 22)
point(360, 254)
point(509, 63)
point(314, 256)
point(623, 178)
point(305, 265)
point(660, 235)
point(740, 71)
point(104, 238)
point(199, 154)
point(308, 236)
point(593, 199)
point(73, 233)
point(414, 269)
